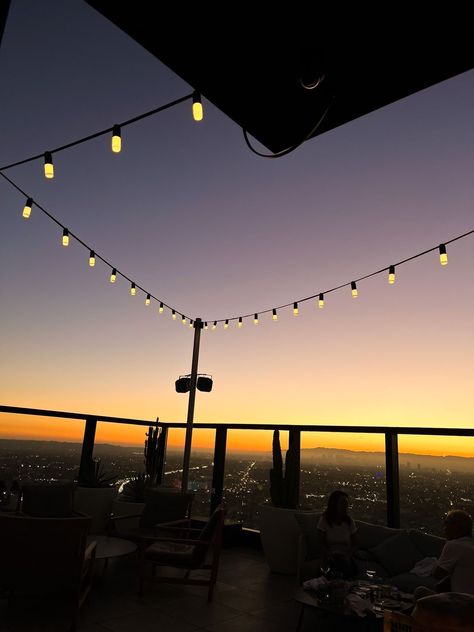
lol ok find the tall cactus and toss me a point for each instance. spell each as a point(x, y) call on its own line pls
point(153, 453)
point(284, 486)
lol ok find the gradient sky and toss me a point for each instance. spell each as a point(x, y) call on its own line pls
point(193, 216)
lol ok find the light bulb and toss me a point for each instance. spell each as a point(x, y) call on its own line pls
point(321, 301)
point(113, 275)
point(183, 319)
point(161, 308)
point(391, 275)
point(48, 165)
point(274, 315)
point(92, 258)
point(27, 208)
point(226, 324)
point(255, 319)
point(116, 139)
point(295, 309)
point(205, 325)
point(240, 323)
point(133, 289)
point(443, 255)
point(214, 325)
point(354, 291)
point(191, 323)
point(148, 299)
point(65, 237)
point(197, 106)
point(173, 314)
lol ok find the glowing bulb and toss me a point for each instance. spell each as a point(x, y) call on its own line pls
point(92, 258)
point(321, 301)
point(255, 319)
point(116, 139)
point(173, 314)
point(148, 299)
point(295, 309)
point(226, 324)
point(354, 291)
point(161, 308)
point(240, 323)
point(274, 315)
point(205, 325)
point(27, 208)
point(191, 323)
point(214, 325)
point(443, 255)
point(133, 289)
point(65, 237)
point(391, 275)
point(48, 165)
point(113, 276)
point(197, 106)
point(183, 319)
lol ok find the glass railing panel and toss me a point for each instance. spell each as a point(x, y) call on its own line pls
point(351, 462)
point(436, 475)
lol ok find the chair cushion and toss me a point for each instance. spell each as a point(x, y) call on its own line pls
point(429, 545)
point(171, 553)
point(307, 523)
point(47, 500)
point(445, 611)
point(398, 554)
point(164, 505)
point(371, 535)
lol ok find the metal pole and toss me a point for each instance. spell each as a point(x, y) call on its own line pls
point(392, 477)
point(219, 468)
point(192, 399)
point(87, 448)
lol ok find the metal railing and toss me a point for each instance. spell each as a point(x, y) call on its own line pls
point(220, 443)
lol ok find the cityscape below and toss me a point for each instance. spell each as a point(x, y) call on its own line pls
point(429, 485)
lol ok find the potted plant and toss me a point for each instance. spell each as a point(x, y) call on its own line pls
point(95, 494)
point(279, 530)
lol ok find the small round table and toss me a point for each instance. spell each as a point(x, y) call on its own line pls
point(108, 547)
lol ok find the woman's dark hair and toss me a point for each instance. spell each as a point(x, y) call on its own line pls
point(331, 510)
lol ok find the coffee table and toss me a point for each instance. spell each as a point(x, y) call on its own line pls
point(108, 547)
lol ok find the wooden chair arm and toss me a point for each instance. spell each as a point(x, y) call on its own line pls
point(90, 550)
point(116, 518)
point(152, 539)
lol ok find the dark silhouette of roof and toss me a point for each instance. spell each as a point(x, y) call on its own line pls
point(255, 69)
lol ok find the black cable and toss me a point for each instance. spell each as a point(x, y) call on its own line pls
point(98, 256)
point(284, 152)
point(101, 133)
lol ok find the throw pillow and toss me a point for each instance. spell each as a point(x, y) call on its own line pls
point(429, 545)
point(397, 554)
point(307, 523)
point(371, 535)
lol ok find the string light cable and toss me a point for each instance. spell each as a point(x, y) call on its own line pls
point(67, 234)
point(320, 295)
point(115, 130)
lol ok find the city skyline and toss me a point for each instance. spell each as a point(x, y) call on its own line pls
point(191, 214)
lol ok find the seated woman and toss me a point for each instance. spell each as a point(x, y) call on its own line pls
point(337, 533)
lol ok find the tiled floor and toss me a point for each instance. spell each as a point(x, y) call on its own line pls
point(248, 598)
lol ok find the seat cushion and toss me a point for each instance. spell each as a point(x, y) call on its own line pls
point(307, 523)
point(408, 582)
point(397, 554)
point(370, 535)
point(429, 545)
point(171, 553)
point(47, 500)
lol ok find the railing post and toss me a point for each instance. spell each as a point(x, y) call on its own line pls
point(217, 489)
point(87, 448)
point(294, 439)
point(162, 445)
point(392, 477)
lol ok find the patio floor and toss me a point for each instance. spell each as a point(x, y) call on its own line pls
point(248, 598)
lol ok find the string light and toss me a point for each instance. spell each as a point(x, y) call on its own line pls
point(321, 301)
point(183, 319)
point(65, 237)
point(161, 308)
point(354, 291)
point(113, 276)
point(443, 255)
point(173, 314)
point(274, 314)
point(133, 289)
point(147, 300)
point(391, 275)
point(226, 324)
point(240, 323)
point(255, 319)
point(205, 326)
point(296, 311)
point(92, 258)
point(191, 323)
point(48, 165)
point(27, 208)
point(214, 324)
point(197, 106)
point(116, 139)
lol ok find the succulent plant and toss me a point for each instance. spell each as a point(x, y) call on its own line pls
point(284, 485)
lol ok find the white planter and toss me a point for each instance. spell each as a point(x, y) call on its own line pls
point(279, 533)
point(95, 502)
point(126, 508)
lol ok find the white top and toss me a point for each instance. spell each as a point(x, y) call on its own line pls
point(457, 558)
point(338, 536)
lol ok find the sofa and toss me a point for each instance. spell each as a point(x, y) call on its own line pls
point(392, 553)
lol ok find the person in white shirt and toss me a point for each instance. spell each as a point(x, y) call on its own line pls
point(455, 567)
point(337, 535)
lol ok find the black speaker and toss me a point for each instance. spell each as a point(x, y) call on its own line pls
point(204, 384)
point(183, 384)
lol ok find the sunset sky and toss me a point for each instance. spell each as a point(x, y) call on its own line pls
point(213, 230)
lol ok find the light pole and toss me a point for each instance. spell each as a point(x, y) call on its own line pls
point(192, 399)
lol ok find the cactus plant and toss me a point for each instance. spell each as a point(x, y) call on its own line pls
point(284, 485)
point(153, 455)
